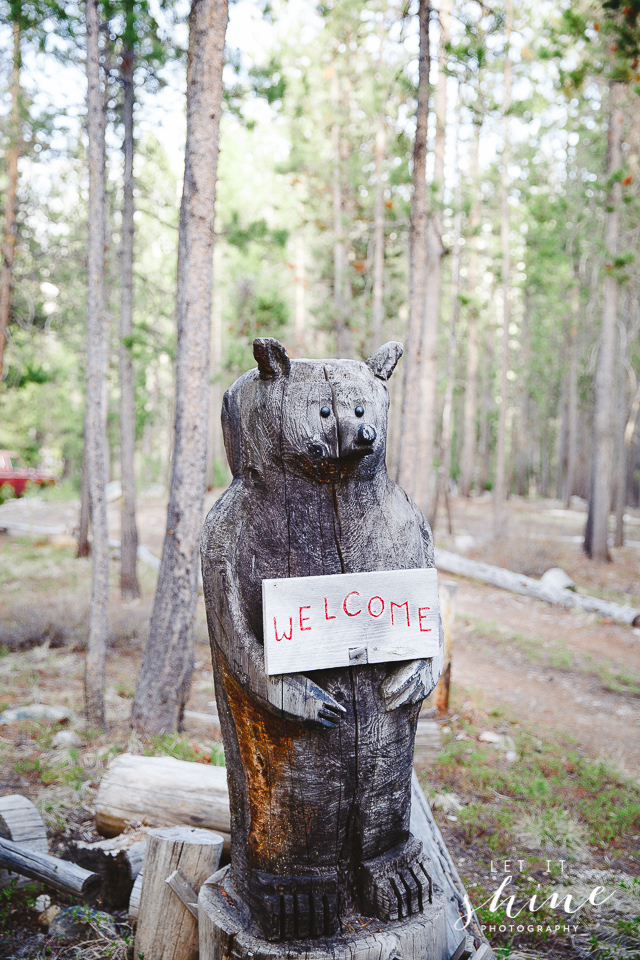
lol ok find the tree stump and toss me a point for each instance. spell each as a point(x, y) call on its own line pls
point(167, 929)
point(21, 822)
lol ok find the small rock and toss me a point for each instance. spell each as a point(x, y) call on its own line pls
point(488, 736)
point(42, 902)
point(75, 923)
point(48, 915)
point(66, 738)
point(35, 711)
point(511, 756)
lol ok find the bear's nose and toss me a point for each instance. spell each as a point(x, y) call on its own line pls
point(366, 433)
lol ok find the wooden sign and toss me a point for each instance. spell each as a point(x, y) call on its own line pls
point(312, 623)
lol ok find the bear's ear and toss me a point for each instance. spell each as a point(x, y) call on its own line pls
point(384, 360)
point(271, 357)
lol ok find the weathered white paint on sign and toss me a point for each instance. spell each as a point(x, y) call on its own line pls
point(311, 623)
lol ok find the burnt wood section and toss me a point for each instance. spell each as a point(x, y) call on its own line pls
point(319, 764)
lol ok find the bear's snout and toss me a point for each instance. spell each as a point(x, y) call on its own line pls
point(366, 433)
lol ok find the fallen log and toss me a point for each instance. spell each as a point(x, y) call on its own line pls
point(118, 861)
point(21, 823)
point(160, 791)
point(178, 861)
point(538, 589)
point(60, 874)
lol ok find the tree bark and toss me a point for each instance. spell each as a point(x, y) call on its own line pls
point(572, 417)
point(425, 491)
point(343, 344)
point(620, 449)
point(165, 676)
point(98, 621)
point(499, 484)
point(129, 586)
point(84, 547)
point(377, 313)
point(471, 388)
point(410, 418)
point(595, 538)
point(11, 201)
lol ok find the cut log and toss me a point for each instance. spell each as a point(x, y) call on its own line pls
point(208, 723)
point(134, 900)
point(60, 874)
point(167, 928)
point(41, 712)
point(21, 822)
point(528, 587)
point(118, 861)
point(447, 592)
point(159, 791)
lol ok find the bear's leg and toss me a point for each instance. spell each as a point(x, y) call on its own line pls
point(394, 877)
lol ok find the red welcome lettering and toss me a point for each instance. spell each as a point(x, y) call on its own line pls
point(422, 617)
point(354, 593)
point(304, 619)
point(380, 612)
point(285, 635)
point(326, 612)
point(400, 606)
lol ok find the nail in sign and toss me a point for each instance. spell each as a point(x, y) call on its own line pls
point(313, 623)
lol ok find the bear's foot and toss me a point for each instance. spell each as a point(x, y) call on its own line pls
point(397, 884)
point(294, 908)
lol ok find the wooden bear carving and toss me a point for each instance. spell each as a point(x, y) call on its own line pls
point(319, 766)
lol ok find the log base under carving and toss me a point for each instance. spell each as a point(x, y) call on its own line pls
point(224, 934)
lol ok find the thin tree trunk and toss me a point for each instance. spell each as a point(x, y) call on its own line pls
point(471, 388)
point(620, 454)
point(499, 486)
point(96, 468)
point(165, 676)
point(523, 427)
point(444, 468)
point(572, 419)
point(216, 460)
point(11, 199)
point(343, 346)
point(433, 293)
point(410, 418)
point(595, 539)
point(484, 446)
point(377, 313)
point(129, 586)
point(84, 547)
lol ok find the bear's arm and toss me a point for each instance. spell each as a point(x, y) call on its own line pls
point(414, 680)
point(293, 695)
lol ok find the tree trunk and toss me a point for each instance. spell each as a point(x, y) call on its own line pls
point(11, 202)
point(444, 468)
point(620, 450)
point(522, 426)
point(129, 586)
point(572, 413)
point(595, 539)
point(96, 468)
point(377, 314)
point(84, 547)
point(343, 345)
point(471, 388)
point(165, 676)
point(499, 485)
point(410, 418)
point(433, 293)
point(300, 324)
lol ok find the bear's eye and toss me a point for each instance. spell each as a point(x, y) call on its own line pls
point(326, 411)
point(359, 411)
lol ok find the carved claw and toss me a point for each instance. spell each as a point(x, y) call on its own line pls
point(299, 697)
point(410, 683)
point(295, 908)
point(397, 885)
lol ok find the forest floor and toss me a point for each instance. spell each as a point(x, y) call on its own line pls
point(553, 695)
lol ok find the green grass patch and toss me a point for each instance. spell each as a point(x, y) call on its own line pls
point(182, 747)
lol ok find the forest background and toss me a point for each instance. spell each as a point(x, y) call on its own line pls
point(461, 177)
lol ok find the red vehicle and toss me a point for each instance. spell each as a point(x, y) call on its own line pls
point(15, 473)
